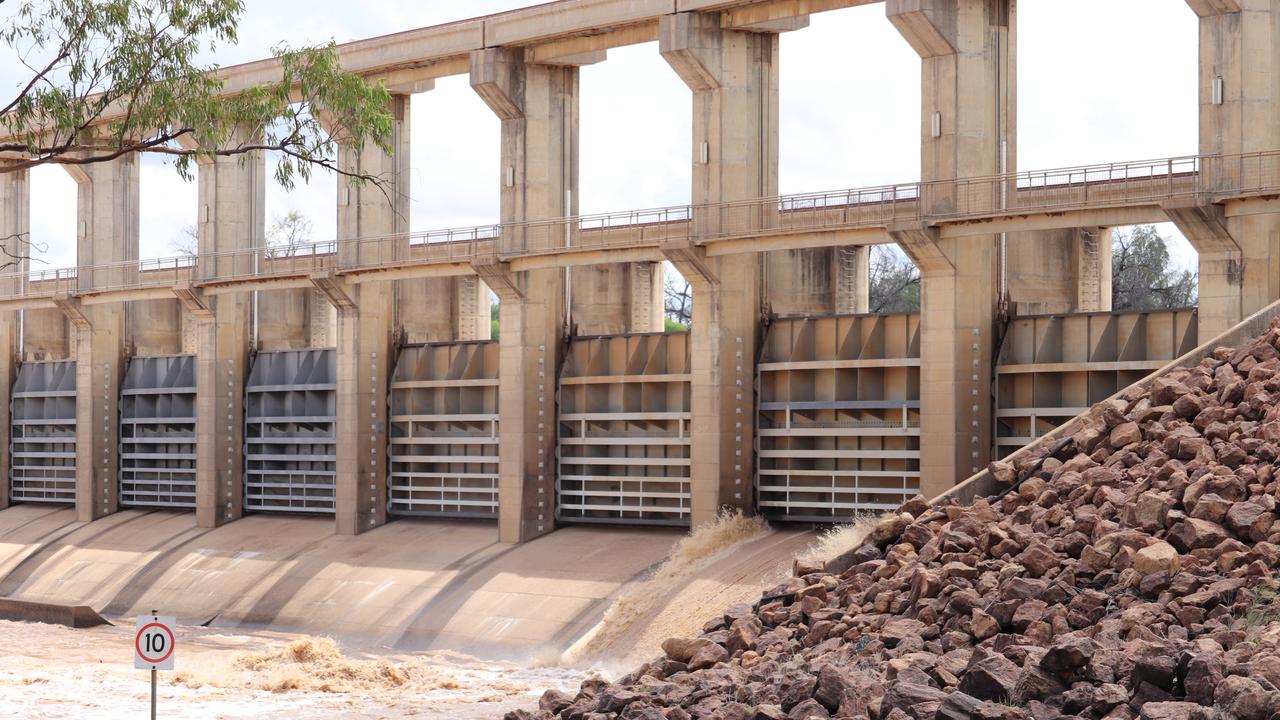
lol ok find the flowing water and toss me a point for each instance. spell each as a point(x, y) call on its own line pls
point(52, 672)
point(49, 671)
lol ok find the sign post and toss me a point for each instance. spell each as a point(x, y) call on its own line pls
point(153, 648)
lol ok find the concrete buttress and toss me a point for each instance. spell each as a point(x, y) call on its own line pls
point(1239, 246)
point(967, 130)
point(15, 228)
point(538, 109)
point(734, 79)
point(231, 217)
point(373, 224)
point(107, 232)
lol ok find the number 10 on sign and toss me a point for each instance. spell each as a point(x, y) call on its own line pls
point(153, 644)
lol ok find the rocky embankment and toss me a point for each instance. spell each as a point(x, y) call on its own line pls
point(1125, 573)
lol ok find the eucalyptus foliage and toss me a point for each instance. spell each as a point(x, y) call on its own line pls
point(110, 77)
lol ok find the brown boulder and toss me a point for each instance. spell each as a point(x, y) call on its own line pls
point(1194, 534)
point(1125, 434)
point(1159, 557)
point(990, 676)
point(1249, 521)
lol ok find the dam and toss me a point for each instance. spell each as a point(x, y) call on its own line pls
point(294, 433)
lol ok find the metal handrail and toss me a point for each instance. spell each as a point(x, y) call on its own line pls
point(1083, 187)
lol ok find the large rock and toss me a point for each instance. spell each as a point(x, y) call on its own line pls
point(1192, 534)
point(1068, 655)
point(1249, 521)
point(1157, 557)
point(989, 676)
point(1174, 711)
point(683, 649)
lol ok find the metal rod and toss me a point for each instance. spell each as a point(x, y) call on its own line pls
point(153, 693)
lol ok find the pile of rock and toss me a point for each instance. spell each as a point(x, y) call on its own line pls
point(1125, 575)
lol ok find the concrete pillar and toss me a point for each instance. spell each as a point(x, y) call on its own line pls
point(107, 232)
point(1059, 271)
point(538, 107)
point(734, 79)
point(459, 309)
point(1239, 114)
point(15, 229)
point(967, 51)
point(617, 298)
point(366, 314)
point(853, 279)
point(231, 217)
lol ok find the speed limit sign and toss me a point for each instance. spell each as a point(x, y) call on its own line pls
point(153, 645)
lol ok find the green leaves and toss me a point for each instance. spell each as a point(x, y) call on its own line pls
point(109, 77)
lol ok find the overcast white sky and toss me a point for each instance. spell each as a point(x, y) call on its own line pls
point(1089, 92)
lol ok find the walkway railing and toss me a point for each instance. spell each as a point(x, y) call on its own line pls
point(1129, 184)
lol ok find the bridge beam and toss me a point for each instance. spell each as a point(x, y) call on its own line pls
point(968, 129)
point(15, 229)
point(375, 220)
point(107, 218)
point(1239, 115)
point(734, 79)
point(538, 107)
point(231, 217)
point(1207, 228)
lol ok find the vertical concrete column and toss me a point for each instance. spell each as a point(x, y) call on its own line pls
point(373, 224)
point(1239, 114)
point(107, 232)
point(967, 52)
point(231, 217)
point(15, 229)
point(1059, 271)
point(538, 107)
point(853, 279)
point(734, 79)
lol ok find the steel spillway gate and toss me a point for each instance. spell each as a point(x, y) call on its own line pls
point(158, 432)
point(43, 433)
point(624, 447)
point(839, 416)
point(290, 442)
point(1054, 367)
point(444, 430)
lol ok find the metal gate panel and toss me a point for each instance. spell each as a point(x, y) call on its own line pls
point(838, 422)
point(290, 440)
point(158, 432)
point(444, 430)
point(43, 433)
point(1054, 367)
point(624, 444)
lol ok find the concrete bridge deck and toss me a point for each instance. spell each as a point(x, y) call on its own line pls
point(1098, 195)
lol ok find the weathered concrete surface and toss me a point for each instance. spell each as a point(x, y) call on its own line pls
point(412, 584)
